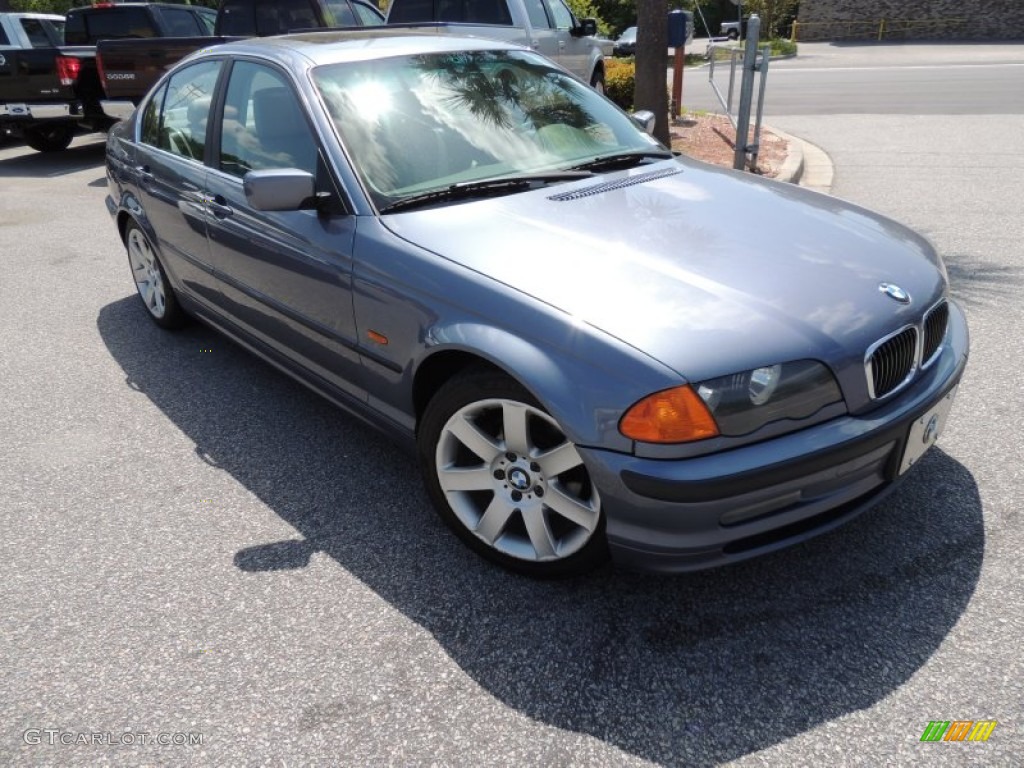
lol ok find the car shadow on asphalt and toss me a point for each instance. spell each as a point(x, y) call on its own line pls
point(686, 670)
point(86, 152)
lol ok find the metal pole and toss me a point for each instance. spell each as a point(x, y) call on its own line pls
point(766, 55)
point(746, 92)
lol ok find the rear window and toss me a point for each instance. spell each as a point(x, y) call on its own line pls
point(466, 11)
point(90, 25)
point(180, 22)
point(243, 17)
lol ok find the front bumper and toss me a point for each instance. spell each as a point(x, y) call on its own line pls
point(689, 514)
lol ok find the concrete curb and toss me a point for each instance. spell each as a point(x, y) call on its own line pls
point(806, 164)
point(793, 167)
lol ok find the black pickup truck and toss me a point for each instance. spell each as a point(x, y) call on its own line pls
point(129, 67)
point(49, 94)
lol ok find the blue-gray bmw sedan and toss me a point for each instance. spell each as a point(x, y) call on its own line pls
point(594, 346)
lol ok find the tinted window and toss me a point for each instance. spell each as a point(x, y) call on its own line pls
point(3, 37)
point(207, 20)
point(237, 18)
point(36, 33)
point(275, 18)
point(470, 12)
point(96, 24)
point(263, 125)
point(186, 109)
point(180, 22)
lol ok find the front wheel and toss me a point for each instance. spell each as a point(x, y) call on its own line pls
point(505, 478)
point(151, 280)
point(597, 81)
point(50, 138)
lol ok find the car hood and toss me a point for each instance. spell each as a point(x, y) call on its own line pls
point(706, 270)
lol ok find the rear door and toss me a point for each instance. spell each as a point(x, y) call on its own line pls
point(286, 276)
point(171, 175)
point(543, 37)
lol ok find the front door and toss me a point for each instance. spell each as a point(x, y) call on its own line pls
point(286, 276)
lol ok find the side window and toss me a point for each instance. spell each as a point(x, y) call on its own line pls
point(563, 16)
point(263, 125)
point(150, 130)
point(180, 22)
point(35, 33)
point(538, 14)
point(207, 20)
point(368, 15)
point(339, 14)
point(186, 109)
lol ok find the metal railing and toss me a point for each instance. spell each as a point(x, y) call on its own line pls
point(751, 60)
point(875, 29)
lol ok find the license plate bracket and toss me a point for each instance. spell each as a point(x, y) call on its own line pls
point(925, 430)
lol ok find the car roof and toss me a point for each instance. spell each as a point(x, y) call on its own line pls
point(332, 47)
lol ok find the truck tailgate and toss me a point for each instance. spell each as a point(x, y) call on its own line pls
point(30, 75)
point(129, 68)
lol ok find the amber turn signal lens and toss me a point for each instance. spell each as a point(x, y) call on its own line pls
point(672, 416)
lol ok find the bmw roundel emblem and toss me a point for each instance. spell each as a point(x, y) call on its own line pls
point(894, 292)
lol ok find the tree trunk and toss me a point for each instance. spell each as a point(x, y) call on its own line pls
point(651, 87)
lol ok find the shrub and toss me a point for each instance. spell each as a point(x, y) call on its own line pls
point(619, 79)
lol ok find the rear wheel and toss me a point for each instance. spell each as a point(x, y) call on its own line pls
point(505, 478)
point(151, 281)
point(50, 138)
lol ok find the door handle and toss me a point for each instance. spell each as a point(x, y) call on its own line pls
point(145, 173)
point(219, 207)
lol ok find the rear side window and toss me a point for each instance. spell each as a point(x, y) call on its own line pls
point(150, 131)
point(35, 33)
point(3, 37)
point(93, 24)
point(186, 110)
point(207, 19)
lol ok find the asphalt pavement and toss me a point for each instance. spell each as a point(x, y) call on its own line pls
point(196, 549)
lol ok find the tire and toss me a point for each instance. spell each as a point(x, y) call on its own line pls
point(597, 81)
point(155, 290)
point(523, 500)
point(50, 138)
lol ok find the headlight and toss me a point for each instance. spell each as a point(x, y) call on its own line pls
point(744, 402)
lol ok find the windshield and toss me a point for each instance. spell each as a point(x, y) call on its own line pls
point(421, 123)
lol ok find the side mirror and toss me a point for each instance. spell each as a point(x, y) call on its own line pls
point(645, 119)
point(586, 28)
point(279, 189)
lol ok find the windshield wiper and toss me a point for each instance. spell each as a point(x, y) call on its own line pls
point(498, 185)
point(623, 160)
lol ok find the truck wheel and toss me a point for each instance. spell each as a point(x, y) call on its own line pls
point(50, 138)
point(597, 81)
